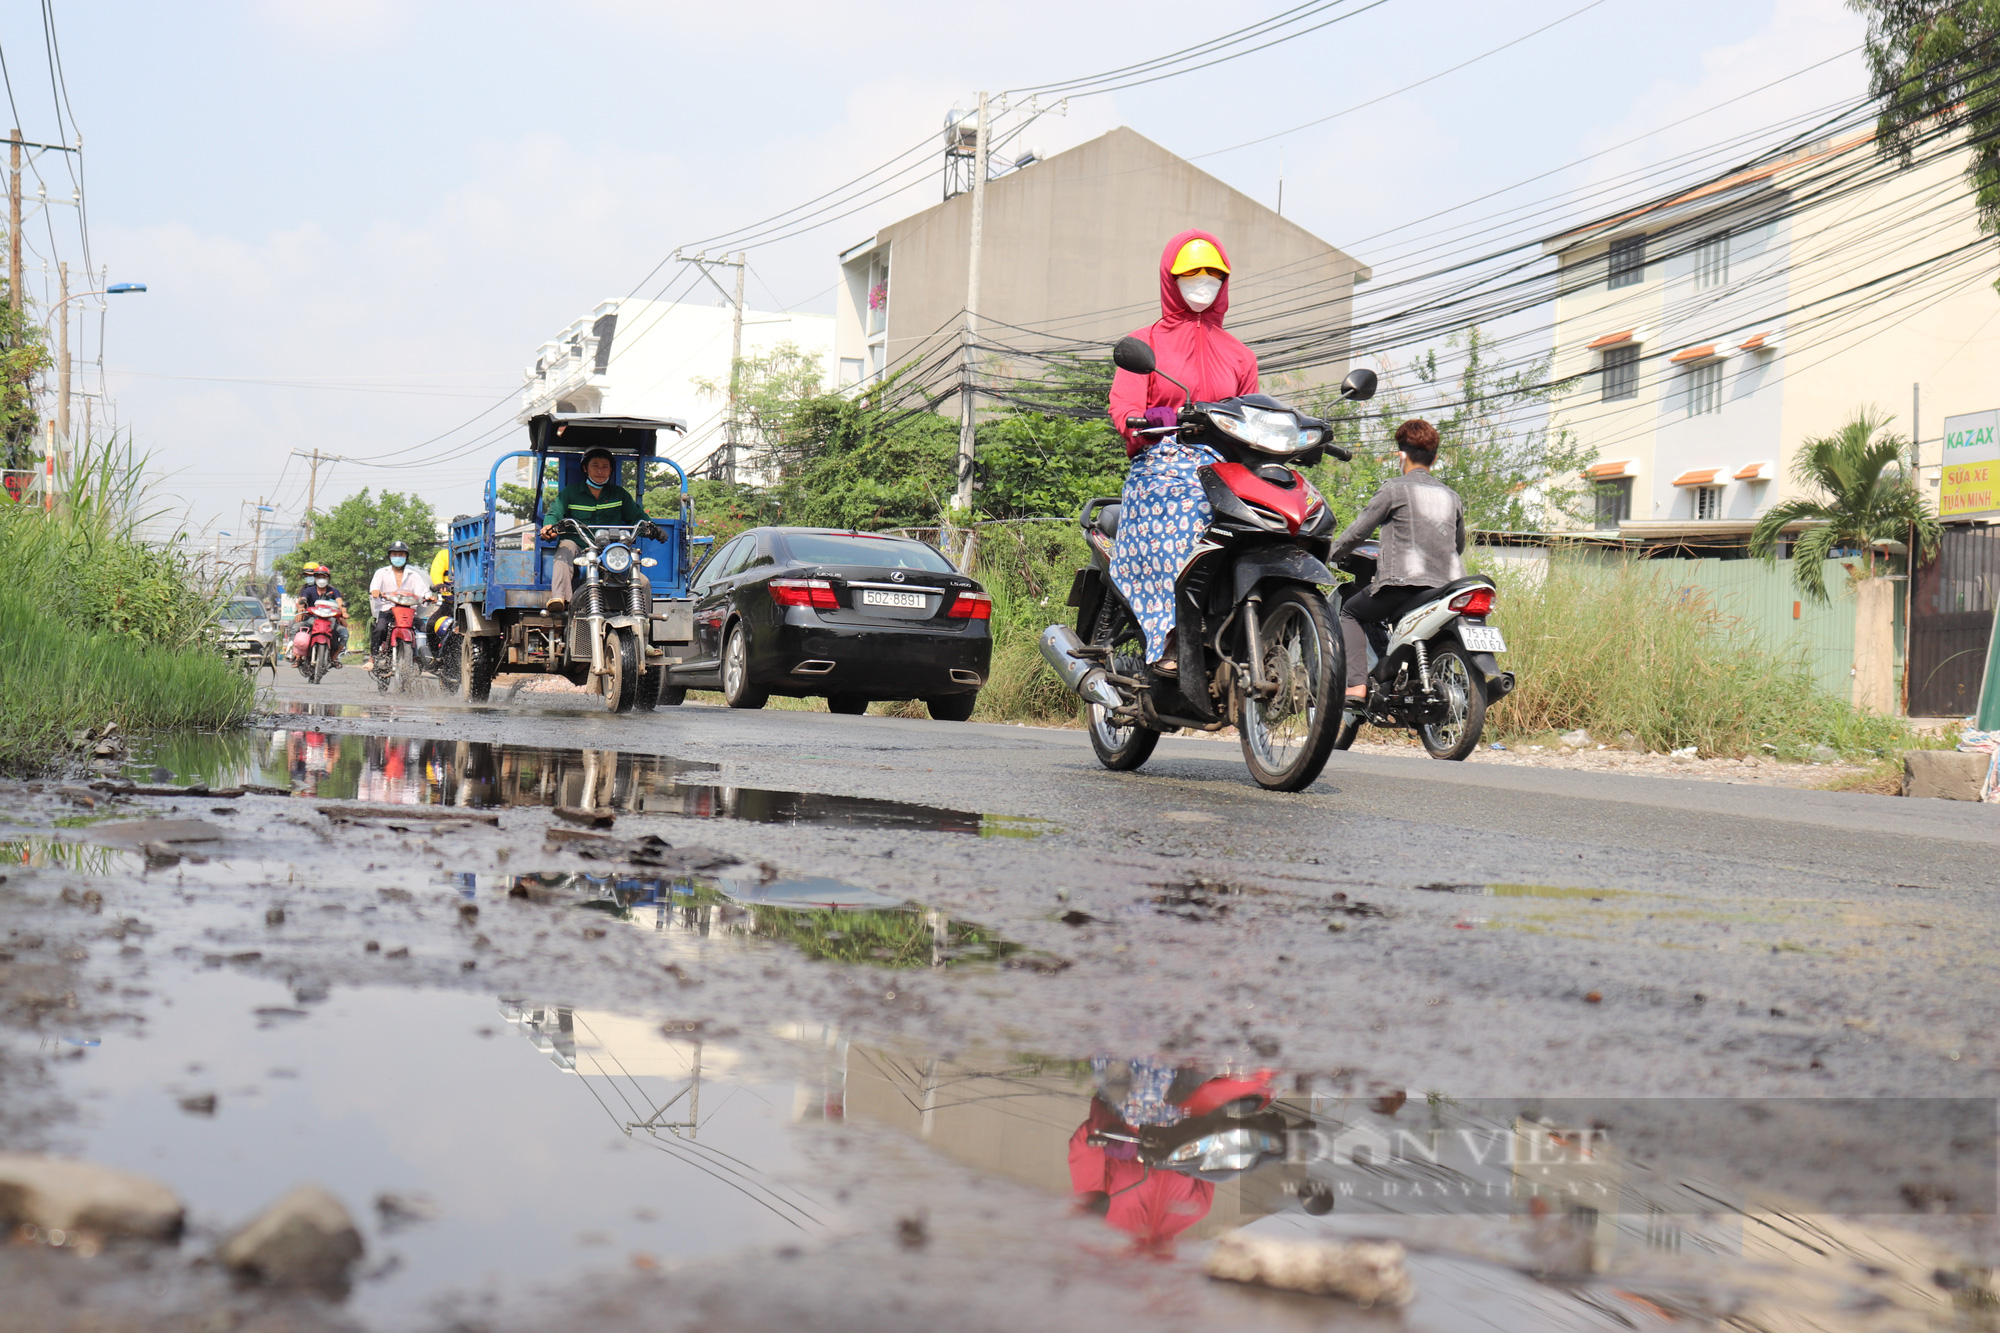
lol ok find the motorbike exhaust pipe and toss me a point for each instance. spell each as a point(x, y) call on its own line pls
point(1064, 652)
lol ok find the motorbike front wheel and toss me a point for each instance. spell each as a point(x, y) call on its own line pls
point(1456, 734)
point(620, 686)
point(1288, 734)
point(405, 668)
point(316, 663)
point(1119, 748)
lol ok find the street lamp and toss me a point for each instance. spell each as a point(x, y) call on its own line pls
point(62, 354)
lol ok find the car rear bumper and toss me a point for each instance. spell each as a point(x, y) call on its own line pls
point(876, 662)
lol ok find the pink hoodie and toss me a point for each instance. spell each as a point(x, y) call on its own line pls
point(1191, 347)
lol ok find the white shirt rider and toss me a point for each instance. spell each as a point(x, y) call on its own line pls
point(388, 579)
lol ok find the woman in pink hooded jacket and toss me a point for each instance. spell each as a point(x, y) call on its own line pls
point(1165, 510)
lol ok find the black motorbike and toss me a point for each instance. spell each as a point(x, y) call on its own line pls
point(1257, 644)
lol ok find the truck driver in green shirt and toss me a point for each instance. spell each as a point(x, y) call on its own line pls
point(594, 502)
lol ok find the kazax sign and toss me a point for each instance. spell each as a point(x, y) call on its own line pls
point(1970, 485)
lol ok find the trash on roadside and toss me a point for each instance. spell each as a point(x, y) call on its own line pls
point(1367, 1272)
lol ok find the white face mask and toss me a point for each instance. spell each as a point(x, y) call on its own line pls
point(1199, 290)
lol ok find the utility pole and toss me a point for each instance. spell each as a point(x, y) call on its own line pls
point(62, 357)
point(257, 542)
point(735, 371)
point(730, 429)
point(14, 218)
point(965, 393)
point(1916, 429)
point(312, 482)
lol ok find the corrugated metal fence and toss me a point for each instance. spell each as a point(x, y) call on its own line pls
point(1767, 602)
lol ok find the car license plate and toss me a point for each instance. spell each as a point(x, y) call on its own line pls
point(881, 597)
point(1481, 639)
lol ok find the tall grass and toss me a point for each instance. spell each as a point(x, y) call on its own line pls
point(1027, 567)
point(1620, 651)
point(97, 627)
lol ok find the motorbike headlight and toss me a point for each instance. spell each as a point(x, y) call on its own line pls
point(1267, 431)
point(617, 559)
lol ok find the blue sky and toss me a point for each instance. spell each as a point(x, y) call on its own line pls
point(359, 219)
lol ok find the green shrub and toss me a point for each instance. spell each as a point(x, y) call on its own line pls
point(96, 626)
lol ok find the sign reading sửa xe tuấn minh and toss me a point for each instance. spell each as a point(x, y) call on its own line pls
point(1970, 484)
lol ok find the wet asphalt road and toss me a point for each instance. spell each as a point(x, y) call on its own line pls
point(1664, 936)
point(1406, 928)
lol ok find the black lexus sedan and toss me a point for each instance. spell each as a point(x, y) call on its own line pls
point(853, 616)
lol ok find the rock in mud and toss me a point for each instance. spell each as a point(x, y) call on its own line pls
point(62, 1195)
point(1367, 1272)
point(305, 1239)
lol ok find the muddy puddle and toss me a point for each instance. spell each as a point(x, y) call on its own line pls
point(405, 770)
point(491, 1146)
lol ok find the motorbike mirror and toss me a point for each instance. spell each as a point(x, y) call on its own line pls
point(1359, 384)
point(1133, 353)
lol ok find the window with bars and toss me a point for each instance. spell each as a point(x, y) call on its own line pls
point(1711, 262)
point(1704, 388)
point(1707, 502)
point(1628, 261)
point(1621, 372)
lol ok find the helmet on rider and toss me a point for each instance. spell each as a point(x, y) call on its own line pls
point(399, 554)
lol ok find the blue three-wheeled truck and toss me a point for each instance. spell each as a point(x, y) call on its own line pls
point(630, 617)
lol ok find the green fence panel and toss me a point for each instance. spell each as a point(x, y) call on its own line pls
point(1763, 598)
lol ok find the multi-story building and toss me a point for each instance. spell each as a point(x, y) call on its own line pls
point(1070, 249)
point(656, 359)
point(1708, 334)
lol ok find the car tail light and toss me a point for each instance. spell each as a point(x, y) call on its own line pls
point(1475, 603)
point(815, 593)
point(971, 606)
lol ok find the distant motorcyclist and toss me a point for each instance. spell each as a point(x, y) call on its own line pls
point(395, 577)
point(318, 587)
point(1423, 535)
point(596, 501)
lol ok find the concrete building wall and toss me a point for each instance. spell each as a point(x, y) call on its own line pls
point(1071, 249)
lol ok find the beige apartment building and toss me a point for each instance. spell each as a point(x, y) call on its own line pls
point(1710, 333)
point(1070, 258)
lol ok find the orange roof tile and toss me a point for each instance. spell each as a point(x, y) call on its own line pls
point(1754, 472)
point(1608, 471)
point(1700, 477)
point(1693, 353)
point(1610, 340)
point(1753, 343)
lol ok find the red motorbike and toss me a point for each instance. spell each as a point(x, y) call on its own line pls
point(321, 632)
point(1258, 647)
point(396, 662)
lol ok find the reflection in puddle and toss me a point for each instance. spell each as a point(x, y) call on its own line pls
point(403, 770)
point(604, 1140)
point(823, 919)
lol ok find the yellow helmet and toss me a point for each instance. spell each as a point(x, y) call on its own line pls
point(1199, 253)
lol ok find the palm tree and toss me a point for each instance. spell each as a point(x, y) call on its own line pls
point(1863, 496)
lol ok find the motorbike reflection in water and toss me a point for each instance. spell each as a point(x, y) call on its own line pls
point(1160, 1136)
point(400, 770)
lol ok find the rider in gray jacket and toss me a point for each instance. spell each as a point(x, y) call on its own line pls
point(1423, 534)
